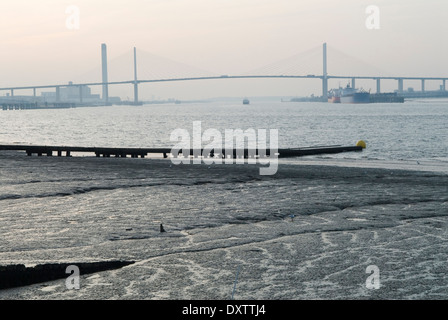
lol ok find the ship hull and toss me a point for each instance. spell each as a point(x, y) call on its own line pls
point(334, 100)
point(357, 97)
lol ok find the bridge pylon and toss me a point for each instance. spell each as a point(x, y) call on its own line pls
point(135, 78)
point(324, 74)
point(104, 73)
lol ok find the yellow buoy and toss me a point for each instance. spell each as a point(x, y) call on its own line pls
point(361, 144)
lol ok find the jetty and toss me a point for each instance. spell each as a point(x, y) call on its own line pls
point(24, 105)
point(68, 151)
point(391, 97)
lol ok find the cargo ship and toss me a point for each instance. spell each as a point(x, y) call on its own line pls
point(348, 95)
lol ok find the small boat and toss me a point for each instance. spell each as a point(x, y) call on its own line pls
point(246, 101)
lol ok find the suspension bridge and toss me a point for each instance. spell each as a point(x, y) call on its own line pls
point(296, 67)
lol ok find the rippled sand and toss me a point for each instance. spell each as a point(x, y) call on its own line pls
point(220, 218)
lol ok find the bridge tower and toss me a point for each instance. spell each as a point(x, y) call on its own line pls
point(135, 78)
point(324, 75)
point(104, 69)
point(400, 85)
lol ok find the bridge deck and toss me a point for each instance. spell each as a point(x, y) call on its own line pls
point(312, 76)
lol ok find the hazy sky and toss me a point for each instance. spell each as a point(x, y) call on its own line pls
point(223, 36)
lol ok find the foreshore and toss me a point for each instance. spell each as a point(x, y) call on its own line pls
point(307, 232)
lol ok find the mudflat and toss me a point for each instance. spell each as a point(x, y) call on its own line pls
point(307, 232)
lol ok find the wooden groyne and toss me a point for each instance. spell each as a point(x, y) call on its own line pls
point(19, 275)
point(143, 152)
